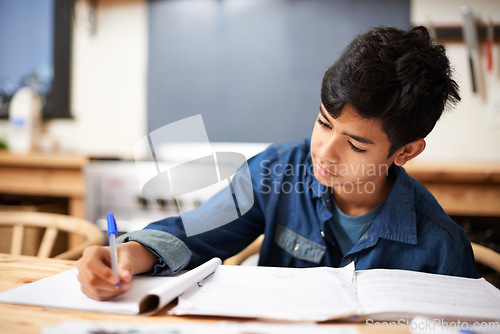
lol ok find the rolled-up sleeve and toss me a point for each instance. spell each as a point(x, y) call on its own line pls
point(172, 253)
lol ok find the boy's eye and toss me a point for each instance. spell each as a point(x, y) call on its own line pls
point(355, 148)
point(324, 124)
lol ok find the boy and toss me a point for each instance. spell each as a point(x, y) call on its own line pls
point(341, 196)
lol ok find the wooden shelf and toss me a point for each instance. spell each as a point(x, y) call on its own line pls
point(463, 189)
point(454, 33)
point(41, 174)
point(46, 160)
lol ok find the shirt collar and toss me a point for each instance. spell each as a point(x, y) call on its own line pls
point(397, 219)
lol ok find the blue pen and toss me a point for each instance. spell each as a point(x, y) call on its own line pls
point(112, 230)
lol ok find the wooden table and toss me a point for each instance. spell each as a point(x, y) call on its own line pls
point(18, 270)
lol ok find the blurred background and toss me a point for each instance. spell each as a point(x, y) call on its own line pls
point(252, 68)
point(108, 72)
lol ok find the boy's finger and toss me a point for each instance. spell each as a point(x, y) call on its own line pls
point(125, 275)
point(94, 267)
point(100, 294)
point(125, 266)
point(97, 286)
point(93, 280)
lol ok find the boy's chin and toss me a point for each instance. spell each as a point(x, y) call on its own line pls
point(327, 181)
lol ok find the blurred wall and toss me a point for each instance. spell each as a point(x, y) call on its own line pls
point(252, 68)
point(470, 132)
point(109, 84)
point(108, 81)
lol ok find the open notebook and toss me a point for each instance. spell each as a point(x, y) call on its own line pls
point(148, 294)
point(289, 294)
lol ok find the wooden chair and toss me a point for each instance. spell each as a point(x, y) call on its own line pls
point(52, 226)
point(483, 255)
point(252, 249)
point(486, 256)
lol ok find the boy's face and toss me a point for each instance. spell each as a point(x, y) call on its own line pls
point(349, 151)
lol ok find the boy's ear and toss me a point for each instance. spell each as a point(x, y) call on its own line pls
point(409, 151)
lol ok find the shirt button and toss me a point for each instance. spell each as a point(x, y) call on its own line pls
point(323, 234)
point(296, 248)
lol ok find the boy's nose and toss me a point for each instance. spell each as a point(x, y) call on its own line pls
point(329, 150)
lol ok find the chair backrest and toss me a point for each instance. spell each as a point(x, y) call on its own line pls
point(483, 255)
point(486, 256)
point(51, 225)
point(250, 251)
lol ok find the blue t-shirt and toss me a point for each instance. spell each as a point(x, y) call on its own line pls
point(291, 208)
point(347, 230)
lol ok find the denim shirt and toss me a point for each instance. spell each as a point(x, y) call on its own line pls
point(291, 208)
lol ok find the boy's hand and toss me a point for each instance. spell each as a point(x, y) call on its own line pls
point(96, 277)
point(98, 280)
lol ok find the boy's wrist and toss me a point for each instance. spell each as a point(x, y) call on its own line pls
point(167, 253)
point(141, 258)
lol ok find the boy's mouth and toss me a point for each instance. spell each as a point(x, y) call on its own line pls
point(322, 171)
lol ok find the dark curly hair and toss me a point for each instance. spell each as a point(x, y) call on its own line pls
point(398, 77)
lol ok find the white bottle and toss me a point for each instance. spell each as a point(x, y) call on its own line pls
point(25, 112)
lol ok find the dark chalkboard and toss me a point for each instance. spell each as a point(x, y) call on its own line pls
point(252, 68)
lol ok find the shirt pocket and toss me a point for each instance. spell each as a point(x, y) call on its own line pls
point(298, 246)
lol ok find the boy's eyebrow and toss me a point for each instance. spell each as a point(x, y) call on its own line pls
point(358, 138)
point(355, 137)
